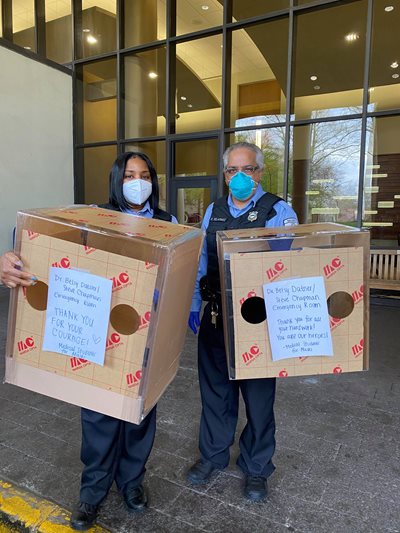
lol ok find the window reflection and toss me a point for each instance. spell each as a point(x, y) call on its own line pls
point(97, 164)
point(259, 70)
point(196, 158)
point(382, 181)
point(272, 143)
point(58, 31)
point(192, 204)
point(329, 60)
point(197, 15)
point(384, 92)
point(243, 9)
point(144, 21)
point(23, 24)
point(98, 27)
point(324, 171)
point(198, 85)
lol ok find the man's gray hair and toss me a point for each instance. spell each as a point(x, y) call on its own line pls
point(253, 147)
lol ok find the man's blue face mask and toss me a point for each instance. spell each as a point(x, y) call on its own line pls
point(241, 186)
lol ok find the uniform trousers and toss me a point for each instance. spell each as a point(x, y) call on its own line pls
point(111, 450)
point(220, 402)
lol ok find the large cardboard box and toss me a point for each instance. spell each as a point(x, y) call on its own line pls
point(250, 259)
point(152, 265)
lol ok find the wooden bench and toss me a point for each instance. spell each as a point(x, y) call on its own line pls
point(385, 269)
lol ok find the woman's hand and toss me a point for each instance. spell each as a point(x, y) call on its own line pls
point(11, 273)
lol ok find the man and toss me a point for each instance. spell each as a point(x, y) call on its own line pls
point(246, 206)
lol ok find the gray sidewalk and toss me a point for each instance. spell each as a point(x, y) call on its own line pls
point(337, 455)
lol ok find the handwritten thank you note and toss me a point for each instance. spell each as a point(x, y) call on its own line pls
point(78, 311)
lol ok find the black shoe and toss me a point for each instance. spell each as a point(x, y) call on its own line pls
point(84, 516)
point(255, 488)
point(135, 499)
point(201, 472)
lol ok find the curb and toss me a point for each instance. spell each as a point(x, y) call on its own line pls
point(22, 511)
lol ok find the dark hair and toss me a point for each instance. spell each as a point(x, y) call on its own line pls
point(117, 173)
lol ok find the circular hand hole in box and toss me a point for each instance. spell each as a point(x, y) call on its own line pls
point(37, 296)
point(124, 319)
point(253, 310)
point(340, 304)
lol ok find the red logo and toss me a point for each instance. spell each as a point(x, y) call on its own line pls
point(250, 294)
point(335, 322)
point(121, 224)
point(358, 294)
point(62, 263)
point(26, 346)
point(337, 370)
point(145, 320)
point(113, 341)
point(334, 267)
point(32, 235)
point(120, 282)
point(168, 235)
point(149, 265)
point(276, 270)
point(358, 348)
point(89, 249)
point(252, 354)
point(106, 215)
point(133, 379)
point(77, 363)
point(283, 373)
point(158, 226)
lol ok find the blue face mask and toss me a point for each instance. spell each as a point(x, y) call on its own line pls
point(241, 186)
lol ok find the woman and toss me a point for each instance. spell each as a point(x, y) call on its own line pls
point(112, 449)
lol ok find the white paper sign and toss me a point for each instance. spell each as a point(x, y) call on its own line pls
point(78, 311)
point(297, 318)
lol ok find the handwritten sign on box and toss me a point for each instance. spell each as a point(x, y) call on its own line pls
point(78, 311)
point(297, 318)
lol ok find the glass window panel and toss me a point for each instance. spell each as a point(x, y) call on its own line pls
point(324, 171)
point(58, 30)
point(197, 15)
point(144, 21)
point(98, 27)
point(329, 61)
point(23, 21)
point(384, 81)
point(1, 20)
point(381, 211)
point(196, 158)
point(145, 93)
point(97, 164)
point(156, 152)
point(97, 102)
point(259, 68)
point(198, 85)
point(243, 9)
point(272, 143)
point(192, 204)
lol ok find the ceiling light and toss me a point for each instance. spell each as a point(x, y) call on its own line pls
point(183, 97)
point(27, 48)
point(205, 7)
point(395, 64)
point(351, 37)
point(317, 87)
point(86, 30)
point(189, 105)
point(395, 76)
point(153, 75)
point(91, 40)
point(313, 78)
point(388, 9)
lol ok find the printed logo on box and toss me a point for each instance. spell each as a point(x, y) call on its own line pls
point(335, 322)
point(358, 294)
point(113, 341)
point(168, 235)
point(357, 349)
point(251, 355)
point(119, 224)
point(250, 294)
point(121, 281)
point(275, 271)
point(149, 265)
point(133, 379)
point(26, 345)
point(337, 370)
point(283, 373)
point(145, 320)
point(157, 226)
point(77, 363)
point(88, 250)
point(62, 263)
point(32, 235)
point(333, 267)
point(106, 215)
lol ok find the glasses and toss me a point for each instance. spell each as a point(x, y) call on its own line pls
point(248, 169)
